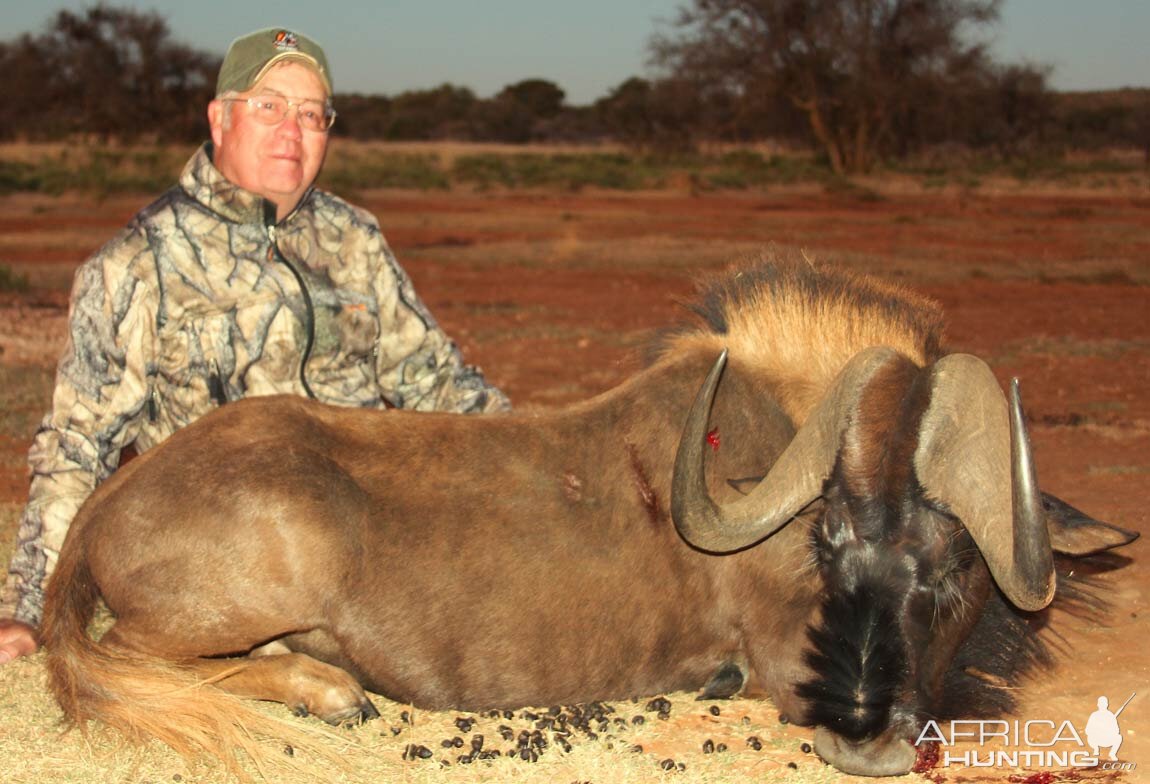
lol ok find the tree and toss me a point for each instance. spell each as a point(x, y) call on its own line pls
point(1142, 132)
point(659, 116)
point(438, 113)
point(362, 116)
point(519, 113)
point(540, 97)
point(108, 71)
point(846, 64)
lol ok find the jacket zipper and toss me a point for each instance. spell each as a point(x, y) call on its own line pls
point(309, 309)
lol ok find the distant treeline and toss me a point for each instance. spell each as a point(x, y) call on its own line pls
point(654, 115)
point(116, 73)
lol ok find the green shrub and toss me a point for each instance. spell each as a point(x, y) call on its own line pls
point(384, 170)
point(570, 171)
point(11, 281)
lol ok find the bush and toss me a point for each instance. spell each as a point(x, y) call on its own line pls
point(567, 171)
point(384, 170)
point(10, 281)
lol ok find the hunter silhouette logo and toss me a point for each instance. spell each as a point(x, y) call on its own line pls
point(1102, 727)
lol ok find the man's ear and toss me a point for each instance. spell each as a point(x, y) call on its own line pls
point(216, 121)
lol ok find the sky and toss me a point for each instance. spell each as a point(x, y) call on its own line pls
point(587, 47)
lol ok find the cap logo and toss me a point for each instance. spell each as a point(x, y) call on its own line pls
point(285, 39)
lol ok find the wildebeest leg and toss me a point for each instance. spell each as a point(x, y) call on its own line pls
point(307, 686)
point(724, 684)
point(274, 673)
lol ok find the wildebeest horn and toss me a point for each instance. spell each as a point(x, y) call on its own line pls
point(974, 457)
point(794, 480)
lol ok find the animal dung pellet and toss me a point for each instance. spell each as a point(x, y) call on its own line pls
point(413, 752)
point(659, 705)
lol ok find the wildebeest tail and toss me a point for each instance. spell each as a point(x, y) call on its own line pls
point(146, 697)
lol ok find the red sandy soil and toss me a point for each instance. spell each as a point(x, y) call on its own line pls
point(554, 294)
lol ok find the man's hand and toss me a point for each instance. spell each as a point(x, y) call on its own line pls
point(16, 639)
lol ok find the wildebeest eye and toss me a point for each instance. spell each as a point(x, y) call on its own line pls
point(945, 584)
point(836, 527)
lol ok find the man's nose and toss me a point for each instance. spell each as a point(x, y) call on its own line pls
point(289, 126)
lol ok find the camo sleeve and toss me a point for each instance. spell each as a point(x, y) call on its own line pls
point(97, 405)
point(418, 366)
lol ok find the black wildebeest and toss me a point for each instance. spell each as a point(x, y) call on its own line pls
point(890, 519)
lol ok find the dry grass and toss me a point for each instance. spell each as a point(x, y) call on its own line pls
point(33, 750)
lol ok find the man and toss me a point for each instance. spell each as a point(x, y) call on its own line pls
point(241, 280)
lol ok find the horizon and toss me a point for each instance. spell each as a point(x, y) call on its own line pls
point(485, 48)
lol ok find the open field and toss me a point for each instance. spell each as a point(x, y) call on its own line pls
point(355, 167)
point(554, 293)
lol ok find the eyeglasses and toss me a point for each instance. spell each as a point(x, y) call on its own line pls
point(273, 109)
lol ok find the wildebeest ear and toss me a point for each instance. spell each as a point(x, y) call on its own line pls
point(1073, 532)
point(746, 485)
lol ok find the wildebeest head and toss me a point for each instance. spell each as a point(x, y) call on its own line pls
point(926, 494)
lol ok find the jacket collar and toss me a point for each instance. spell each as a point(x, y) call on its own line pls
point(204, 183)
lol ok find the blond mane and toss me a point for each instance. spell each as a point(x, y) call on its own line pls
point(795, 323)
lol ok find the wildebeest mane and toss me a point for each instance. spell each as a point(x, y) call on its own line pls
point(798, 322)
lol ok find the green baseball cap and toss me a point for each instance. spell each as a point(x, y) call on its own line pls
point(251, 56)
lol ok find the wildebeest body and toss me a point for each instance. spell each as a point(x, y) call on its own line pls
point(497, 561)
point(465, 579)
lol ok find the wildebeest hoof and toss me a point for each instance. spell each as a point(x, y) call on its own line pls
point(314, 688)
point(354, 715)
point(724, 684)
point(367, 711)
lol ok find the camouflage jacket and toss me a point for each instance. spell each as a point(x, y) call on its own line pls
point(204, 298)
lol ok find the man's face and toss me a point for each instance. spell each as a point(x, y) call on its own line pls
point(279, 162)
